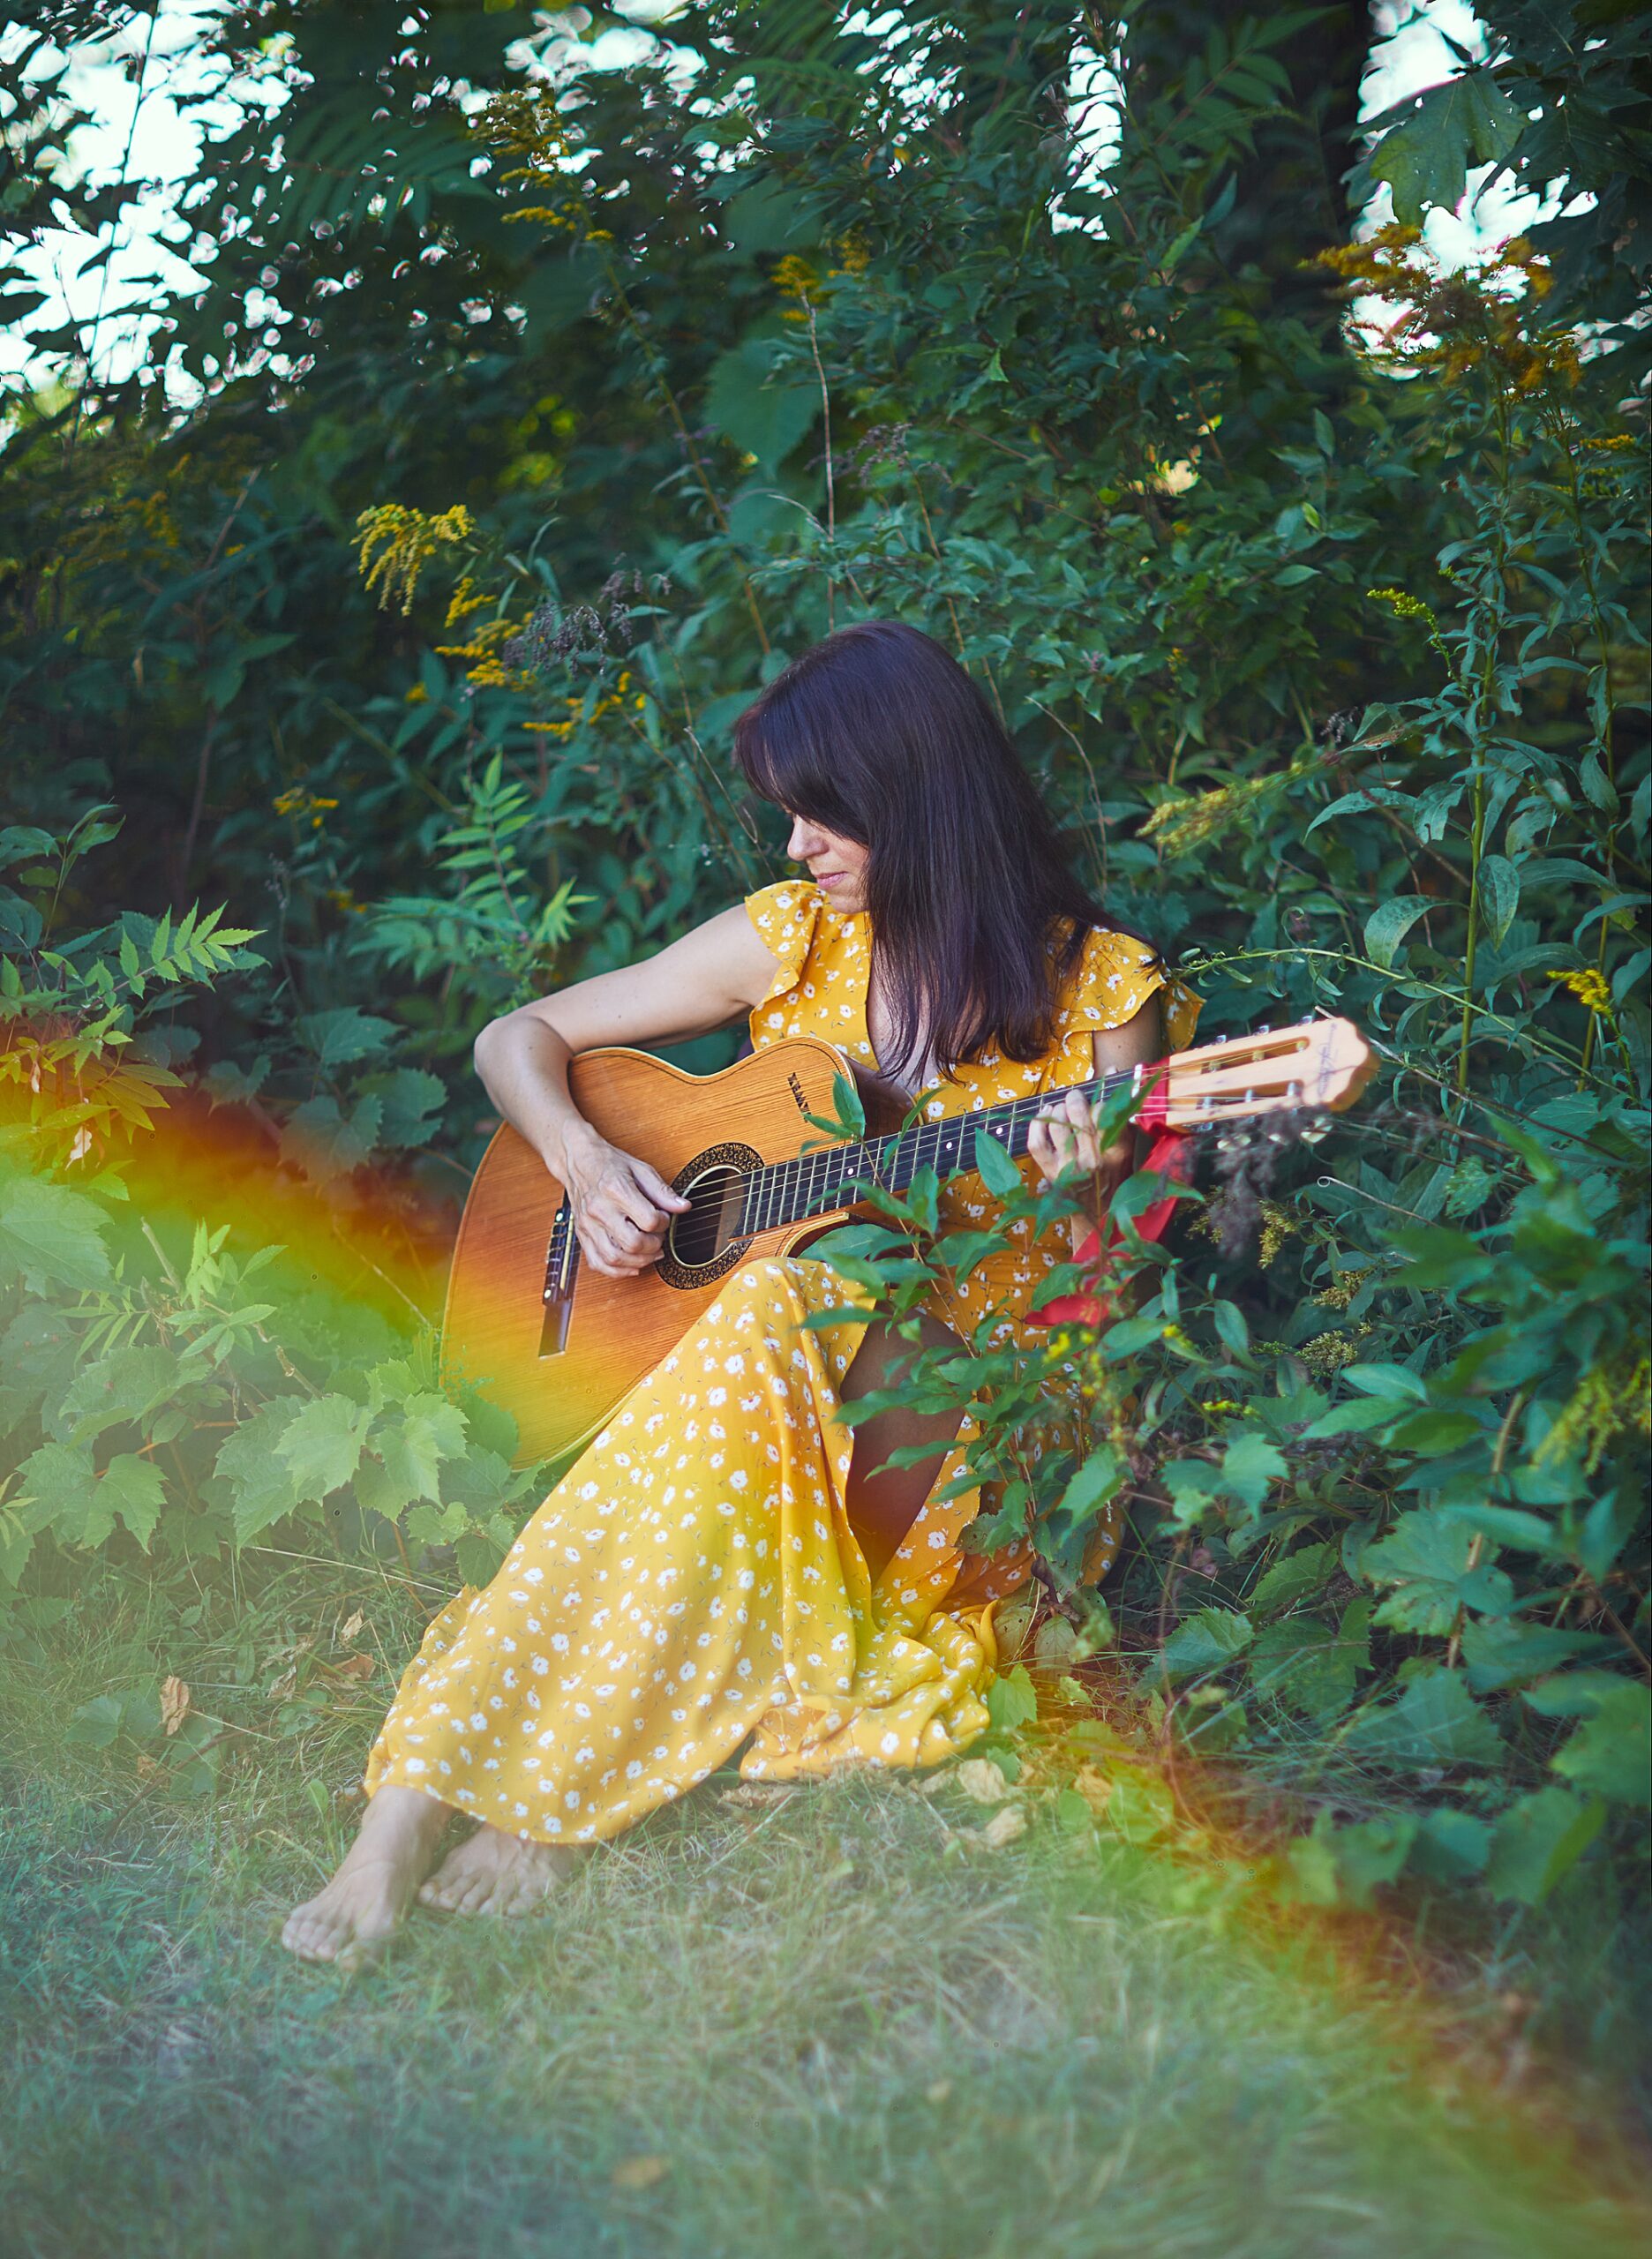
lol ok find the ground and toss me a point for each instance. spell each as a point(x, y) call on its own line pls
point(824, 2021)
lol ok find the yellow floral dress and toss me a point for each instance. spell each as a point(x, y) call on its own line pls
point(693, 1583)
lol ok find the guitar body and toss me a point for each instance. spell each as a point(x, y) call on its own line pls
point(561, 1366)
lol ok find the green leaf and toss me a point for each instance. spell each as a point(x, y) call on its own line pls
point(1608, 1526)
point(998, 1172)
point(1450, 1846)
point(1231, 1329)
point(411, 1103)
point(484, 1482)
point(250, 1477)
point(1359, 1415)
point(1433, 1722)
point(1425, 158)
point(1425, 1557)
point(1250, 1466)
point(1512, 1525)
point(1393, 1383)
point(316, 1139)
point(1299, 1574)
point(96, 1724)
point(321, 1444)
point(411, 1449)
point(1206, 1641)
point(1372, 1852)
point(1498, 1654)
point(1388, 925)
point(133, 1488)
point(762, 401)
point(1096, 1482)
point(340, 1037)
point(1192, 1484)
point(125, 1386)
point(54, 1237)
point(56, 1489)
point(1010, 1699)
point(1500, 894)
point(1304, 1664)
point(1611, 1753)
point(1537, 1841)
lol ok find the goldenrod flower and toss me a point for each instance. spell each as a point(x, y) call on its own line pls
point(795, 278)
point(405, 540)
point(1590, 989)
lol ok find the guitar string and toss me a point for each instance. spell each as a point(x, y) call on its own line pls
point(770, 1193)
point(774, 1186)
point(776, 1183)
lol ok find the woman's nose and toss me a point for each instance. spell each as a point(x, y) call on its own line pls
point(805, 841)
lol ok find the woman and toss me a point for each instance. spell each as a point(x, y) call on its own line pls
point(724, 1567)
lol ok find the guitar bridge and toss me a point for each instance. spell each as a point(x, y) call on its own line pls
point(561, 1263)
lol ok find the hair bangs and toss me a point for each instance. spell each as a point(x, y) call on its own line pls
point(790, 760)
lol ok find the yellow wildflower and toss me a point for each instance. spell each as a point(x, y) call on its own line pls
point(1605, 1401)
point(463, 602)
point(404, 541)
point(1277, 1227)
point(297, 802)
point(1590, 989)
point(795, 278)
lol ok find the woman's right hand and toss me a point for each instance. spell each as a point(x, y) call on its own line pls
point(622, 1208)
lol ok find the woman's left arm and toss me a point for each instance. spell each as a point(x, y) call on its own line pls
point(1064, 1141)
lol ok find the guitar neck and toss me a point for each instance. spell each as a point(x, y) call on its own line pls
point(786, 1192)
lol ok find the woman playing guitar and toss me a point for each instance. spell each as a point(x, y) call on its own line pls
point(724, 1567)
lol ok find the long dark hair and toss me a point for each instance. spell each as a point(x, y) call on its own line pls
point(878, 734)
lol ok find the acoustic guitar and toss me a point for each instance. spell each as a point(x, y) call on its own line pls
point(559, 1347)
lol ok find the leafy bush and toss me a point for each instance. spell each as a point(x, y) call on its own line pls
point(1307, 575)
point(186, 1397)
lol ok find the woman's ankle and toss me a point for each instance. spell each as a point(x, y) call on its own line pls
point(401, 1816)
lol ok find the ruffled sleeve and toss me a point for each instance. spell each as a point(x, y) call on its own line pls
point(785, 917)
point(1112, 979)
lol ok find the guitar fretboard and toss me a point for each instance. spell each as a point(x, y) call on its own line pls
point(784, 1192)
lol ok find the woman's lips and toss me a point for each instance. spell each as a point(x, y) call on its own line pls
point(830, 878)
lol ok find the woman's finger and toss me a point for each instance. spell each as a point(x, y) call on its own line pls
point(657, 1191)
point(1049, 1142)
point(627, 1203)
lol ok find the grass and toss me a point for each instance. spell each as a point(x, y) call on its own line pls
point(828, 2022)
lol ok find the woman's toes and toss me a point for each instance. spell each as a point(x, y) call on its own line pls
point(308, 1939)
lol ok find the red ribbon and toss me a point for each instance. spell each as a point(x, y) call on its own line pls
point(1171, 1155)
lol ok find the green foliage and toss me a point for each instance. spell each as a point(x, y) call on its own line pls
point(1327, 642)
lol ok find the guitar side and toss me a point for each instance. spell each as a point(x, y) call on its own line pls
point(494, 1335)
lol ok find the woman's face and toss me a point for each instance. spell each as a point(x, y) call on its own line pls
point(837, 866)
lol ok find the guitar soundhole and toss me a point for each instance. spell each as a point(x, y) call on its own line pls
point(702, 1246)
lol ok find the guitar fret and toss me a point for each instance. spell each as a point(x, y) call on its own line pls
point(784, 1192)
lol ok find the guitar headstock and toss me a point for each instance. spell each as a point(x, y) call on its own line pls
point(1321, 1064)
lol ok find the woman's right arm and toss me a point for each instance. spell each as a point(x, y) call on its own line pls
point(622, 1206)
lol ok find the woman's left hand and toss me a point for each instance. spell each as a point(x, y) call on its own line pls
point(1063, 1141)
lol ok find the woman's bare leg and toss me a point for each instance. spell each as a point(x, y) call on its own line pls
point(884, 1502)
point(369, 1896)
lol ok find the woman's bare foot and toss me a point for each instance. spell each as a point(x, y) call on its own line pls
point(491, 1873)
point(351, 1920)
